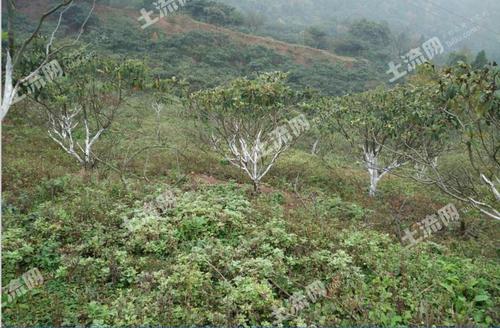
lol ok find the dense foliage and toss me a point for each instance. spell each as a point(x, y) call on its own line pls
point(221, 258)
point(158, 226)
point(387, 127)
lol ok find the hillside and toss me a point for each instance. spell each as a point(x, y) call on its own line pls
point(200, 173)
point(424, 18)
point(301, 54)
point(182, 46)
point(181, 24)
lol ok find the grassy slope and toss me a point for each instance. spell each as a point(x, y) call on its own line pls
point(207, 55)
point(224, 256)
point(181, 24)
point(70, 225)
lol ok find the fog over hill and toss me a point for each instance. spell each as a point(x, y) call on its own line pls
point(475, 24)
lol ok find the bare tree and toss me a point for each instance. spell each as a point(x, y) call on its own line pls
point(248, 151)
point(459, 182)
point(158, 108)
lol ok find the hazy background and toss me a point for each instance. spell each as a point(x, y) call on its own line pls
point(426, 18)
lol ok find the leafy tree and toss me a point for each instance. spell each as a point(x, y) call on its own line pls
point(401, 43)
point(349, 47)
point(242, 118)
point(385, 126)
point(368, 39)
point(316, 38)
point(456, 57)
point(480, 61)
point(254, 20)
point(82, 106)
point(214, 12)
point(372, 32)
point(472, 105)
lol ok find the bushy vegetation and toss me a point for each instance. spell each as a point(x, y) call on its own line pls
point(219, 257)
point(159, 229)
point(193, 56)
point(214, 13)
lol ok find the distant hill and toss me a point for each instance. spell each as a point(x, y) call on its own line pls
point(428, 18)
point(301, 54)
point(180, 24)
point(208, 55)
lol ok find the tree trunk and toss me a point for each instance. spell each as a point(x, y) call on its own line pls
point(374, 179)
point(88, 166)
point(1, 170)
point(372, 167)
point(256, 187)
point(8, 87)
point(315, 147)
point(10, 28)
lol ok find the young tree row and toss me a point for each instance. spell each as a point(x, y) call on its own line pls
point(413, 129)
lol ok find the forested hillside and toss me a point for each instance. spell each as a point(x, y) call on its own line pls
point(249, 163)
point(425, 18)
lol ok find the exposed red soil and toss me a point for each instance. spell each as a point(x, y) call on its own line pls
point(180, 24)
point(291, 200)
point(301, 54)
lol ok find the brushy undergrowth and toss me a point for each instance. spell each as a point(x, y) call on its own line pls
point(219, 256)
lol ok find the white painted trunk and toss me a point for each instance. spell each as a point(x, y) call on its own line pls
point(248, 156)
point(374, 179)
point(62, 131)
point(315, 147)
point(377, 173)
point(492, 186)
point(9, 90)
point(371, 161)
